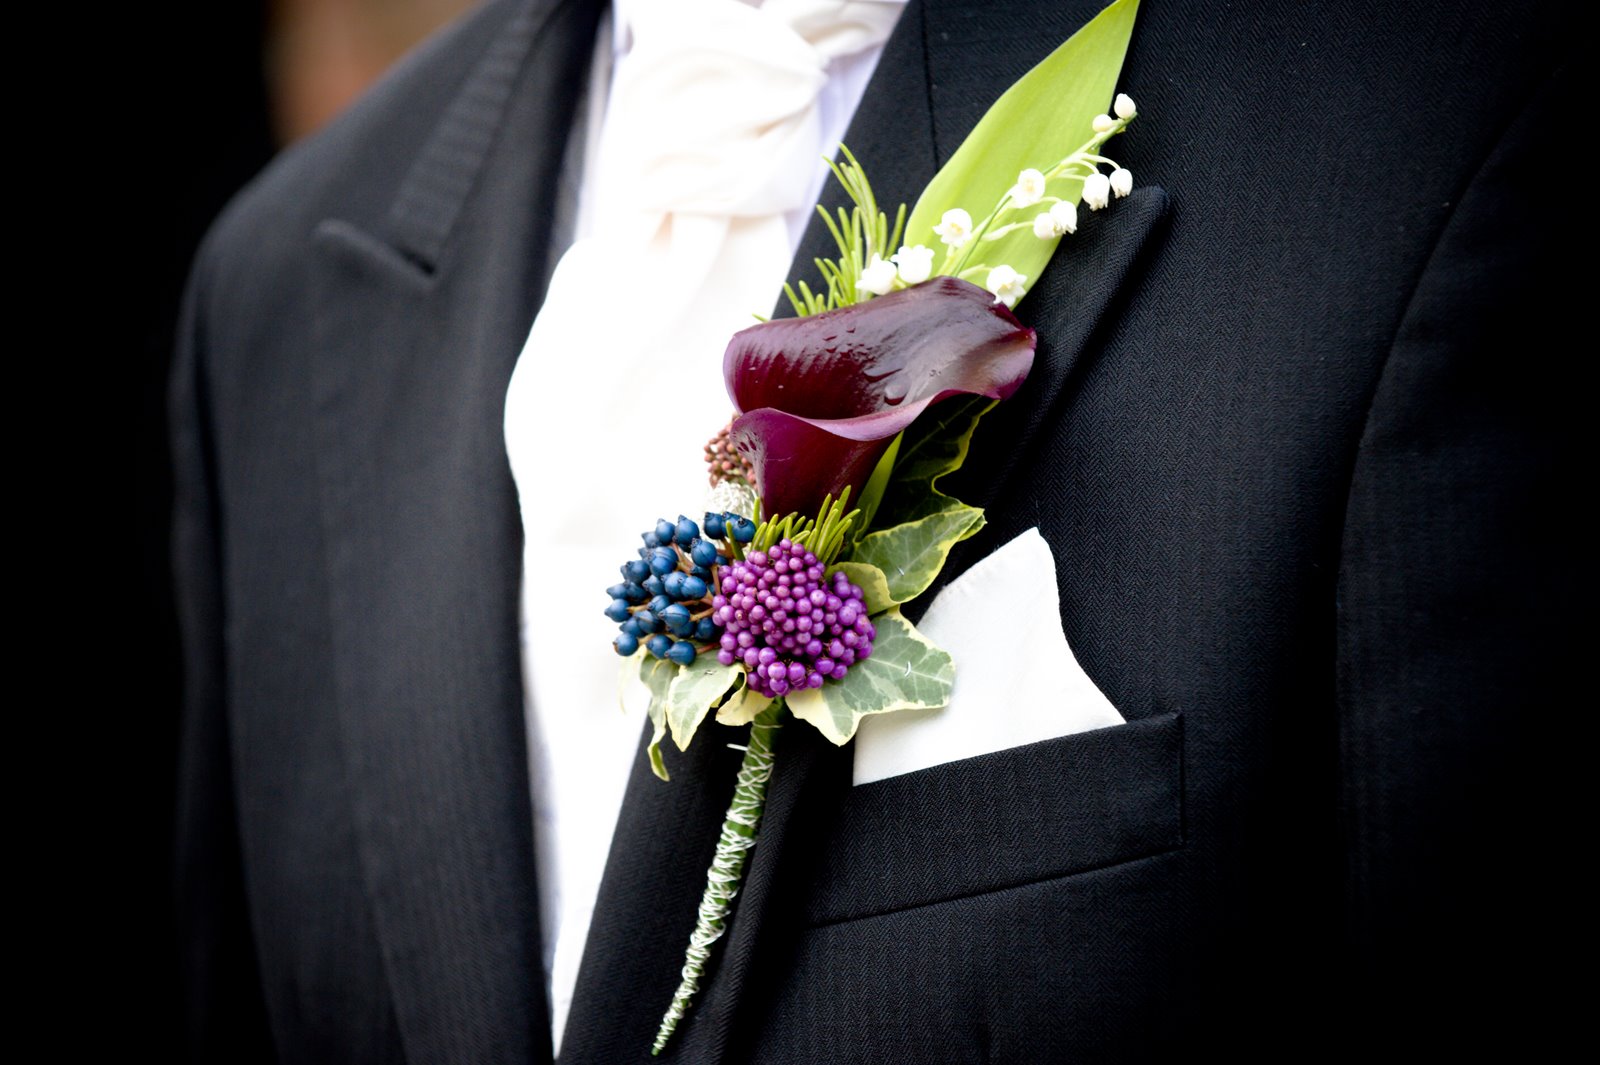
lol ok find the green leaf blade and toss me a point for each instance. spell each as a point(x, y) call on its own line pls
point(878, 483)
point(1037, 122)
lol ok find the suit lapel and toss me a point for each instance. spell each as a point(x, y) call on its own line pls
point(1066, 306)
point(646, 907)
point(414, 351)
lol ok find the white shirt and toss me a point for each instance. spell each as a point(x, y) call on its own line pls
point(619, 385)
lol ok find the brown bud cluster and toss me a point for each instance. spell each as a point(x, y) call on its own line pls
point(725, 463)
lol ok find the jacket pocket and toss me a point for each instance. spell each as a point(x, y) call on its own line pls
point(1012, 817)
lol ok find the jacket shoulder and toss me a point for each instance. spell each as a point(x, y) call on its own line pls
point(350, 170)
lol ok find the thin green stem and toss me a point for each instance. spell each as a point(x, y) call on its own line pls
point(977, 234)
point(996, 234)
point(739, 829)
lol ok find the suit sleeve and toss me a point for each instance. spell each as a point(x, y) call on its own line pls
point(1455, 612)
point(225, 1015)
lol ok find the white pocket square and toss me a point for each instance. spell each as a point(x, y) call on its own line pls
point(1017, 681)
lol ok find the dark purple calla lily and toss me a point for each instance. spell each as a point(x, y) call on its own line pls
point(820, 398)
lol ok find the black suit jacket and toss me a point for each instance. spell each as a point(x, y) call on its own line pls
point(1291, 434)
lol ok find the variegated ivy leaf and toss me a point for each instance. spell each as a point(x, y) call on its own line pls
point(696, 691)
point(911, 555)
point(906, 672)
point(874, 586)
point(657, 675)
point(742, 706)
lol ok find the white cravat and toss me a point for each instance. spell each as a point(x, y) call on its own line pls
point(697, 186)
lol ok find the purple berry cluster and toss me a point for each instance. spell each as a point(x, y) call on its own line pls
point(787, 622)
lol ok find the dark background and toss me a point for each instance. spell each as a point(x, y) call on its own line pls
point(199, 97)
point(191, 115)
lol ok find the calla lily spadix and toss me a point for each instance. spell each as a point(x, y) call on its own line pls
point(820, 398)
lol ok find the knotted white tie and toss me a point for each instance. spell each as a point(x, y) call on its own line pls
point(711, 141)
point(708, 156)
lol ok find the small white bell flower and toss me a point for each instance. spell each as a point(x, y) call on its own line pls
point(1096, 190)
point(1065, 214)
point(1121, 181)
point(1103, 123)
point(1061, 219)
point(1029, 188)
point(916, 264)
point(1006, 284)
point(877, 278)
point(955, 228)
point(1123, 106)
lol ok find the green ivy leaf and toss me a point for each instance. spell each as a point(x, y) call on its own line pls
point(873, 584)
point(911, 555)
point(742, 706)
point(905, 672)
point(1035, 123)
point(695, 692)
point(657, 675)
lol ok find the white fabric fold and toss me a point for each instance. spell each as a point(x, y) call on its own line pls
point(1017, 680)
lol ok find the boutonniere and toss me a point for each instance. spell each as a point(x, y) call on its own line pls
point(782, 602)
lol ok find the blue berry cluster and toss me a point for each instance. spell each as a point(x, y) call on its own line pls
point(663, 601)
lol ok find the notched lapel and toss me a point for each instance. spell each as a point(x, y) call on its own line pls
point(363, 252)
point(423, 542)
point(414, 349)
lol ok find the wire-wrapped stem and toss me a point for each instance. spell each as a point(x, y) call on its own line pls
point(727, 865)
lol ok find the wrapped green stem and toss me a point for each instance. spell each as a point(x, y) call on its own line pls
point(738, 836)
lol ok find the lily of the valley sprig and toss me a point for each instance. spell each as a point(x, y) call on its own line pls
point(1076, 178)
point(782, 601)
